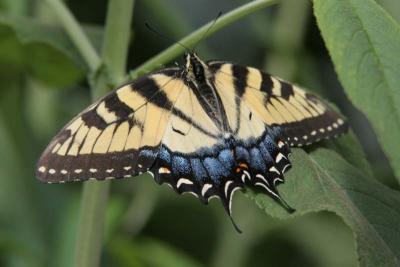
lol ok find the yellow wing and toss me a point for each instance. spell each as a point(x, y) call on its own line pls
point(304, 117)
point(115, 137)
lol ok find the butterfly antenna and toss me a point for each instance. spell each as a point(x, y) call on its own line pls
point(165, 36)
point(208, 29)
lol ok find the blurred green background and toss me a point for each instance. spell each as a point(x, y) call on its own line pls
point(43, 85)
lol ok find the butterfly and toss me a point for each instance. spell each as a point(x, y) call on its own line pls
point(206, 128)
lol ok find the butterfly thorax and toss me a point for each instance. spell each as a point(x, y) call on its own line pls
point(198, 74)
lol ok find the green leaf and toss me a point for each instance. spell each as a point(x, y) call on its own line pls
point(392, 7)
point(34, 49)
point(322, 180)
point(351, 150)
point(44, 50)
point(30, 30)
point(364, 43)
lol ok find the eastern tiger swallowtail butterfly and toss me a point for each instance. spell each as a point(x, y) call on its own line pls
point(207, 128)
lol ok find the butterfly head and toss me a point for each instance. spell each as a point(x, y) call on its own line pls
point(195, 68)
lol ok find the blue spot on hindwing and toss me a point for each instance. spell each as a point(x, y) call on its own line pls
point(164, 155)
point(242, 154)
point(180, 166)
point(270, 145)
point(226, 158)
point(199, 173)
point(265, 152)
point(256, 160)
point(215, 169)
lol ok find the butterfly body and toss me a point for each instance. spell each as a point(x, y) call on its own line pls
point(199, 77)
point(207, 128)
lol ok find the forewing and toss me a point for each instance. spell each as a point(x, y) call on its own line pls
point(116, 137)
point(304, 118)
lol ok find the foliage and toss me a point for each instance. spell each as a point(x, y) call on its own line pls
point(39, 52)
point(362, 39)
point(322, 180)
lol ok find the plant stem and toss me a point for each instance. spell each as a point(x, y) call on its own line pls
point(95, 194)
point(91, 224)
point(76, 33)
point(115, 46)
point(175, 50)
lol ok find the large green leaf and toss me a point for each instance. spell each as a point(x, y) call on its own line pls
point(322, 180)
point(350, 149)
point(364, 43)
